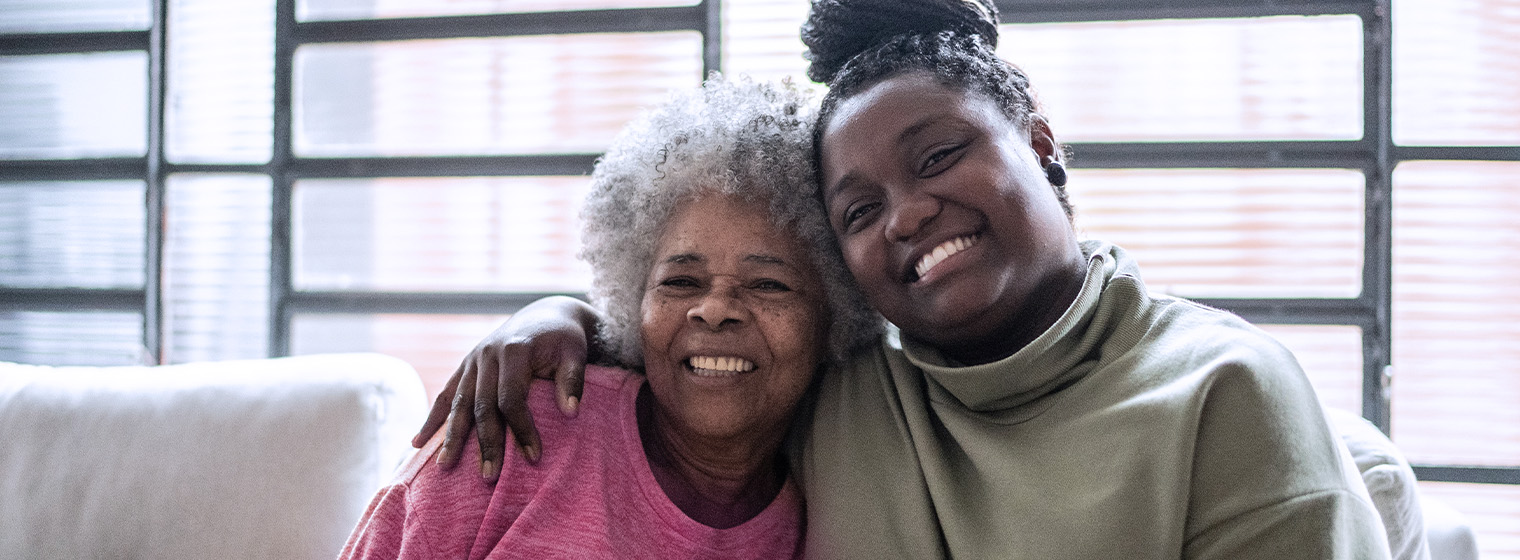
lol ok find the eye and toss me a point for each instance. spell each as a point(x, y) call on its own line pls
point(680, 282)
point(939, 160)
point(769, 285)
point(856, 212)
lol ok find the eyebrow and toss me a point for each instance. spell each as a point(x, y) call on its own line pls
point(766, 259)
point(693, 258)
point(832, 190)
point(918, 127)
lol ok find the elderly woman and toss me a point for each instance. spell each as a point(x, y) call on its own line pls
point(1039, 402)
point(723, 285)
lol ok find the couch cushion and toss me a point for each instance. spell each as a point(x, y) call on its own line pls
point(242, 459)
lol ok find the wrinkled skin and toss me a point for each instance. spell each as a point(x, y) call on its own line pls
point(733, 327)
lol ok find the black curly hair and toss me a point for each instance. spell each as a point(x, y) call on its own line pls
point(855, 44)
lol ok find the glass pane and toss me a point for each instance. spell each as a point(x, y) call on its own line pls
point(221, 81)
point(446, 234)
point(72, 339)
point(1331, 356)
point(1492, 510)
point(367, 9)
point(433, 344)
point(761, 39)
point(1456, 72)
point(216, 267)
point(543, 94)
point(74, 105)
point(1456, 319)
point(49, 16)
point(83, 234)
point(1276, 78)
point(1230, 233)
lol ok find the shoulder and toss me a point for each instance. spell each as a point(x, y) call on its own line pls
point(420, 477)
point(610, 378)
point(1236, 363)
point(873, 373)
point(1175, 333)
point(599, 394)
point(1252, 401)
point(598, 380)
point(1190, 336)
point(1232, 376)
point(1261, 442)
point(604, 423)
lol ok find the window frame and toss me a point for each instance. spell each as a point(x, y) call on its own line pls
point(1374, 155)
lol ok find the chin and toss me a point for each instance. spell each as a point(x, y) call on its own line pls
point(945, 317)
point(717, 419)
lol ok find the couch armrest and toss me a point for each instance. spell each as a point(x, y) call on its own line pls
point(1450, 537)
point(267, 458)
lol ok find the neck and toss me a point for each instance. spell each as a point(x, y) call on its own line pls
point(718, 482)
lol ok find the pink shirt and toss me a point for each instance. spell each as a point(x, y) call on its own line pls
point(591, 495)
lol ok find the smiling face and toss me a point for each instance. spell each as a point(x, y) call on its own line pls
point(734, 320)
point(946, 218)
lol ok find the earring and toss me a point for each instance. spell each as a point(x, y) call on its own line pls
point(1055, 172)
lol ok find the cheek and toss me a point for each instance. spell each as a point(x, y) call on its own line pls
point(863, 259)
point(660, 322)
point(794, 332)
point(868, 267)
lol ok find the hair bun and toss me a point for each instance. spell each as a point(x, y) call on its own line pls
point(837, 30)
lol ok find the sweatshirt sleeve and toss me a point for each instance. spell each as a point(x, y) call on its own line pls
point(1267, 475)
point(380, 531)
point(395, 524)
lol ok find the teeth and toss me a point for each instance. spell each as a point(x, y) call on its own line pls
point(719, 365)
point(943, 251)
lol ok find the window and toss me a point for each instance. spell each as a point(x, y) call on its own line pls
point(193, 180)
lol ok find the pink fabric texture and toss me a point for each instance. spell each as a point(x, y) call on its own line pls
point(592, 495)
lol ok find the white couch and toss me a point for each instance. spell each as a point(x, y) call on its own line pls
point(1418, 526)
point(263, 459)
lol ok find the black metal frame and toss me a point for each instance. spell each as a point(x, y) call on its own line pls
point(286, 168)
point(1374, 155)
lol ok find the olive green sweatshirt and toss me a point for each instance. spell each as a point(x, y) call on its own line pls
point(1137, 427)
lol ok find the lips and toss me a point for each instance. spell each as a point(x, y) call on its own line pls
point(940, 253)
point(719, 366)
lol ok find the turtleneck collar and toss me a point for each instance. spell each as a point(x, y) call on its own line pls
point(1055, 359)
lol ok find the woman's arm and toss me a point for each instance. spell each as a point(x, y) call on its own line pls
point(1268, 479)
point(549, 339)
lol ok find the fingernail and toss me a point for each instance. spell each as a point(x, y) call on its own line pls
point(532, 453)
point(572, 404)
point(485, 469)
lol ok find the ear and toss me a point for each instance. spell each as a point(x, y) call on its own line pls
point(1042, 140)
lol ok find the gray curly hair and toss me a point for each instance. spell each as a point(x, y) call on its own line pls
point(735, 137)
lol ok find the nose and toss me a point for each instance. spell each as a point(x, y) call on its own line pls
point(720, 307)
point(906, 215)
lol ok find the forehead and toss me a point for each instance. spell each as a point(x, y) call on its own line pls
point(896, 92)
point(906, 97)
point(714, 226)
point(892, 110)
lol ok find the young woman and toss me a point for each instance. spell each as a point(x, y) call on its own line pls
point(1039, 402)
